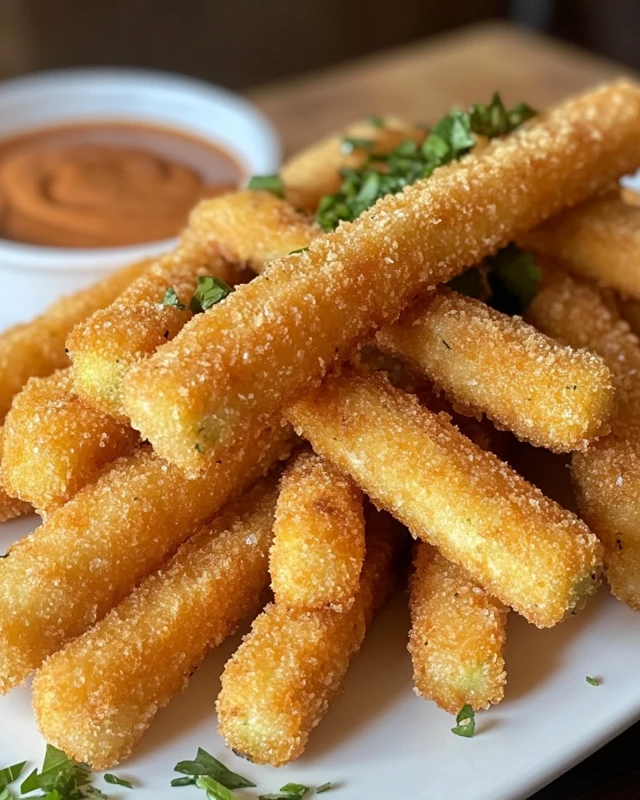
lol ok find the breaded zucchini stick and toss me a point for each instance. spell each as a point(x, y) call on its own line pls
point(599, 239)
point(318, 546)
point(253, 228)
point(458, 632)
point(227, 237)
point(485, 361)
point(233, 367)
point(93, 551)
point(37, 348)
point(315, 171)
point(95, 698)
point(55, 443)
point(10, 507)
point(607, 476)
point(520, 546)
point(280, 682)
point(104, 346)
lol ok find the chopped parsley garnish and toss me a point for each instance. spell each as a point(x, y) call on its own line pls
point(206, 765)
point(495, 120)
point(267, 183)
point(508, 280)
point(465, 722)
point(10, 774)
point(514, 279)
point(214, 789)
point(186, 781)
point(375, 122)
point(351, 143)
point(114, 779)
point(592, 681)
point(451, 137)
point(171, 299)
point(290, 791)
point(298, 251)
point(325, 787)
point(61, 778)
point(209, 292)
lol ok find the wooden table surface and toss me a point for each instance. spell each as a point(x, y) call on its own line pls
point(421, 82)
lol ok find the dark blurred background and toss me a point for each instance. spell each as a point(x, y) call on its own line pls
point(243, 43)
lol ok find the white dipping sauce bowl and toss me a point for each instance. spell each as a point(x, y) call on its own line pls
point(31, 276)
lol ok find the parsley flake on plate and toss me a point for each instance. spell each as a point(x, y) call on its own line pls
point(61, 778)
point(10, 774)
point(114, 779)
point(214, 789)
point(290, 791)
point(592, 681)
point(205, 765)
point(465, 722)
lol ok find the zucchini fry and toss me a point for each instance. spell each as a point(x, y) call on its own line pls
point(319, 540)
point(458, 632)
point(280, 682)
point(606, 477)
point(55, 443)
point(37, 348)
point(229, 370)
point(94, 550)
point(517, 544)
point(96, 698)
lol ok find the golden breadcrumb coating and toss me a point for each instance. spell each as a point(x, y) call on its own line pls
point(577, 313)
point(607, 477)
point(254, 228)
point(485, 361)
point(280, 682)
point(104, 346)
point(457, 341)
point(251, 355)
point(318, 545)
point(458, 632)
point(520, 546)
point(599, 239)
point(55, 443)
point(96, 698)
point(36, 349)
point(405, 378)
point(93, 551)
point(630, 196)
point(315, 171)
point(10, 507)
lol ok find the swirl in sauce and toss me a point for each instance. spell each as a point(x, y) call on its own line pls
point(106, 185)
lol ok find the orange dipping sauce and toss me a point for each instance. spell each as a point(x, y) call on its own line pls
point(106, 184)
